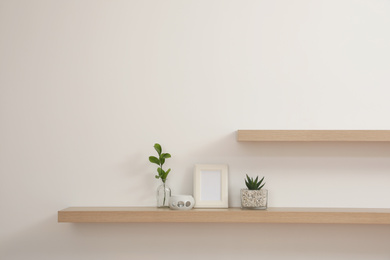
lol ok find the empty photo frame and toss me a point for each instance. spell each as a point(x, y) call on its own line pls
point(211, 186)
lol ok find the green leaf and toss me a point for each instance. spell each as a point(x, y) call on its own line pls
point(162, 160)
point(253, 184)
point(160, 172)
point(165, 155)
point(157, 177)
point(261, 180)
point(261, 186)
point(155, 160)
point(157, 147)
point(165, 175)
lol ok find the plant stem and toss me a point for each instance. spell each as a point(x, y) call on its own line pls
point(163, 180)
point(164, 195)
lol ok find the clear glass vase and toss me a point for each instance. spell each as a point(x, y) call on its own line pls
point(163, 195)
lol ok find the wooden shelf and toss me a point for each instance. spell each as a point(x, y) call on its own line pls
point(231, 215)
point(313, 135)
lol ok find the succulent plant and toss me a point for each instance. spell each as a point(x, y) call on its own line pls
point(254, 184)
point(160, 162)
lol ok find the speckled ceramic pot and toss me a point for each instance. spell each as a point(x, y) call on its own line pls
point(254, 199)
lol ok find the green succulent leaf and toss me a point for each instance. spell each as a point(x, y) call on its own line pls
point(157, 177)
point(254, 184)
point(261, 180)
point(157, 147)
point(154, 159)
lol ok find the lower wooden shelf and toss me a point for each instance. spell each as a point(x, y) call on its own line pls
point(230, 215)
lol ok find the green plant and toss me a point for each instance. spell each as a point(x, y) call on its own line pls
point(254, 184)
point(160, 162)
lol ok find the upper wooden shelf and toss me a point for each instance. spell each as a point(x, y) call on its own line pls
point(314, 135)
point(230, 215)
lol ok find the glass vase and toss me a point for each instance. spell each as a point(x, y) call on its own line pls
point(163, 195)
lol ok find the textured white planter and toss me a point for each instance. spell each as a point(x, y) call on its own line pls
point(254, 199)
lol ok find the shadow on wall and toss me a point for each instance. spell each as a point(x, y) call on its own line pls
point(303, 156)
point(51, 240)
point(228, 146)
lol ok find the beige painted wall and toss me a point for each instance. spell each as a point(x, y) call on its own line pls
point(87, 88)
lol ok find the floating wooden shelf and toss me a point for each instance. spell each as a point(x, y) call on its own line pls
point(231, 215)
point(314, 135)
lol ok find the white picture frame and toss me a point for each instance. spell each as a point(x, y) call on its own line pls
point(211, 186)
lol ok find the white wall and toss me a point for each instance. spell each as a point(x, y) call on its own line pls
point(87, 88)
